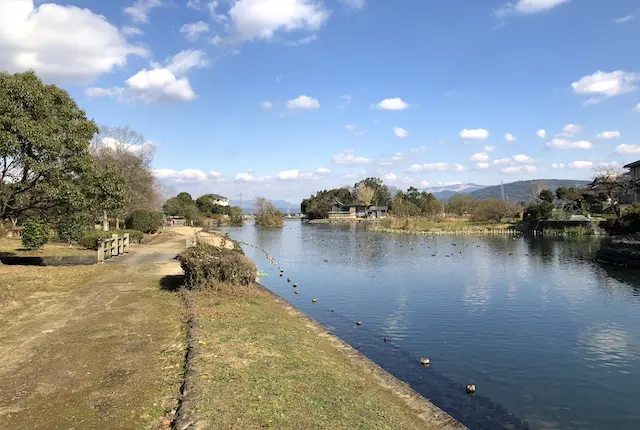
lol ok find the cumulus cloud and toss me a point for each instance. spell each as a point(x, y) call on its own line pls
point(519, 158)
point(186, 175)
point(345, 100)
point(561, 143)
point(323, 171)
point(527, 7)
point(349, 159)
point(519, 169)
point(390, 176)
point(570, 130)
point(489, 148)
point(608, 135)
point(558, 165)
point(509, 138)
point(478, 134)
point(400, 132)
point(602, 85)
point(294, 175)
point(542, 133)
point(159, 84)
point(624, 19)
point(350, 128)
point(248, 177)
point(61, 43)
point(637, 108)
point(580, 165)
point(628, 149)
point(131, 31)
point(435, 167)
point(194, 30)
point(261, 19)
point(266, 105)
point(303, 103)
point(139, 11)
point(483, 166)
point(479, 156)
point(392, 104)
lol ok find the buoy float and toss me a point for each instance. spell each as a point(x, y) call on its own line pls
point(295, 285)
point(471, 389)
point(359, 323)
point(314, 300)
point(297, 292)
point(288, 279)
point(385, 339)
point(425, 361)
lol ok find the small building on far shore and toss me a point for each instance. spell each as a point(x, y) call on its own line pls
point(175, 221)
point(357, 210)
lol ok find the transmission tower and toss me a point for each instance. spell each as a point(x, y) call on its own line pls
point(502, 190)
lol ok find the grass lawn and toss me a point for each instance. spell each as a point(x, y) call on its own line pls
point(429, 224)
point(14, 247)
point(264, 365)
point(88, 347)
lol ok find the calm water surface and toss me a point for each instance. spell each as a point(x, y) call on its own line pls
point(550, 338)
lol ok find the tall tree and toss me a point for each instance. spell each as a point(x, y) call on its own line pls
point(132, 154)
point(613, 185)
point(45, 158)
point(364, 194)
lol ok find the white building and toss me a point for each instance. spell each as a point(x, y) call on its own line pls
point(220, 200)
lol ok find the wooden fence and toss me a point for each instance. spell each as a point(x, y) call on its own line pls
point(112, 247)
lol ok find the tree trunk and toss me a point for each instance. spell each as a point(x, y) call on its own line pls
point(14, 221)
point(105, 221)
point(117, 223)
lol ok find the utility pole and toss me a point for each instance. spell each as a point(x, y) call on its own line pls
point(502, 189)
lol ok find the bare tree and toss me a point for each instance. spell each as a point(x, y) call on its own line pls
point(364, 194)
point(132, 154)
point(611, 182)
point(536, 189)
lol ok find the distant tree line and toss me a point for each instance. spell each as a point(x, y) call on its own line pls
point(202, 208)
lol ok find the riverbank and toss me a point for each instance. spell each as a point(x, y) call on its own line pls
point(620, 251)
point(429, 227)
point(263, 363)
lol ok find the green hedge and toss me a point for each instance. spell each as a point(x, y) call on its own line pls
point(35, 233)
point(206, 266)
point(145, 221)
point(90, 241)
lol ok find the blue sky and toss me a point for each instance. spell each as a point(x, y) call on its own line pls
point(284, 97)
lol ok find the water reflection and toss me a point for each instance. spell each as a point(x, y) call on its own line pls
point(607, 344)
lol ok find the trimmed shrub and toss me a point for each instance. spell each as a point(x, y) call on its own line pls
point(206, 266)
point(35, 233)
point(144, 221)
point(90, 241)
point(72, 226)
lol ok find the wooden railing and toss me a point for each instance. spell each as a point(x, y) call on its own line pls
point(112, 247)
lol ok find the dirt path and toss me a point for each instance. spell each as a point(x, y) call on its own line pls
point(95, 349)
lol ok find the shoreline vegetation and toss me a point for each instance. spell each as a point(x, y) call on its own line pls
point(263, 363)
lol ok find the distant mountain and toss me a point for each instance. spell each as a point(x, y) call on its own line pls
point(249, 206)
point(445, 192)
point(522, 191)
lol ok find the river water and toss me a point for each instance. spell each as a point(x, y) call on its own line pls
point(550, 338)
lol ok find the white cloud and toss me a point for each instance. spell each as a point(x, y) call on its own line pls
point(215, 40)
point(248, 177)
point(628, 149)
point(519, 169)
point(483, 166)
point(580, 165)
point(479, 156)
point(350, 128)
point(303, 102)
point(293, 175)
point(345, 100)
point(400, 132)
point(218, 17)
point(114, 144)
point(354, 4)
point(399, 156)
point(323, 171)
point(542, 133)
point(602, 85)
point(435, 167)
point(624, 19)
point(62, 43)
point(392, 104)
point(159, 84)
point(608, 135)
point(131, 31)
point(194, 30)
point(558, 165)
point(509, 138)
point(303, 40)
point(519, 158)
point(567, 144)
point(139, 11)
point(527, 7)
point(390, 176)
point(420, 149)
point(570, 130)
point(186, 175)
point(214, 174)
point(346, 158)
point(266, 105)
point(637, 108)
point(489, 148)
point(260, 19)
point(479, 134)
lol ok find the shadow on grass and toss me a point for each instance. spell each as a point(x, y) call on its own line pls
point(171, 282)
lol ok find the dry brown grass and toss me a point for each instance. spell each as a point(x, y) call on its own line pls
point(14, 247)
